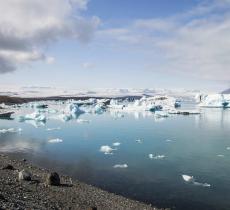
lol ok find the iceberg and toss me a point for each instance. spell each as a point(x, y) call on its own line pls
point(139, 141)
point(213, 101)
point(116, 144)
point(187, 178)
point(73, 109)
point(120, 166)
point(53, 129)
point(106, 150)
point(156, 157)
point(160, 114)
point(83, 121)
point(57, 140)
point(191, 179)
point(34, 116)
point(10, 130)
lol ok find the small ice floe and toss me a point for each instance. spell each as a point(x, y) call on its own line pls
point(107, 150)
point(116, 144)
point(57, 140)
point(139, 141)
point(188, 178)
point(160, 114)
point(228, 148)
point(120, 166)
point(34, 116)
point(168, 140)
point(202, 184)
point(83, 121)
point(10, 130)
point(156, 157)
point(220, 155)
point(53, 129)
point(191, 179)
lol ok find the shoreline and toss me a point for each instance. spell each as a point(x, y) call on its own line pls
point(36, 194)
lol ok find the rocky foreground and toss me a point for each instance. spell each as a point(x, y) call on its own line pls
point(23, 186)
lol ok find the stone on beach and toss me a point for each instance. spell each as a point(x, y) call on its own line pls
point(53, 179)
point(8, 167)
point(24, 175)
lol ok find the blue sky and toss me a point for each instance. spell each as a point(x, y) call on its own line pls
point(116, 44)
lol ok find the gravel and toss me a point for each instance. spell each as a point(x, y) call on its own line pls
point(36, 194)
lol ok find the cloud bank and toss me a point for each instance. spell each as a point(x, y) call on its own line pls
point(28, 26)
point(193, 43)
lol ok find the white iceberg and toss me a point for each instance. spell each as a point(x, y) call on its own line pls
point(160, 114)
point(57, 140)
point(120, 166)
point(187, 178)
point(213, 101)
point(53, 129)
point(116, 144)
point(34, 116)
point(106, 149)
point(139, 141)
point(156, 157)
point(83, 121)
point(191, 179)
point(10, 130)
point(220, 155)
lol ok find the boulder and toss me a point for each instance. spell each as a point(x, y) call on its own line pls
point(24, 175)
point(8, 167)
point(53, 179)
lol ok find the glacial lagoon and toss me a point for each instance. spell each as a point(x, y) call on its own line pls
point(193, 145)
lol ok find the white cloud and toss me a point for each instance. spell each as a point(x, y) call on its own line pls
point(194, 43)
point(27, 26)
point(88, 65)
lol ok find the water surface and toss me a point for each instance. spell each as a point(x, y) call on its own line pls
point(196, 143)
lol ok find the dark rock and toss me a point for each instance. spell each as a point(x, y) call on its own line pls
point(8, 167)
point(53, 179)
point(2, 197)
point(93, 208)
point(24, 175)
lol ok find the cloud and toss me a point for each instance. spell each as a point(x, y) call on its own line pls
point(88, 65)
point(194, 43)
point(28, 26)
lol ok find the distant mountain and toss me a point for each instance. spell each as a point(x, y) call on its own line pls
point(226, 91)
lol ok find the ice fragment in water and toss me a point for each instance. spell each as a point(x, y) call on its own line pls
point(120, 166)
point(57, 140)
point(106, 149)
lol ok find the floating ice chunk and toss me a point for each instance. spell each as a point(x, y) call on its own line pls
point(106, 150)
point(161, 114)
point(156, 157)
point(73, 109)
point(151, 156)
point(83, 121)
point(98, 109)
point(202, 184)
point(220, 155)
point(120, 166)
point(10, 130)
point(168, 140)
point(214, 101)
point(228, 148)
point(53, 129)
point(116, 144)
point(188, 178)
point(139, 141)
point(34, 116)
point(65, 117)
point(57, 140)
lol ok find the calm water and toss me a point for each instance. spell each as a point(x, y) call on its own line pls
point(196, 143)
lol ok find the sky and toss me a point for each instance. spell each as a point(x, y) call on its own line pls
point(87, 44)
